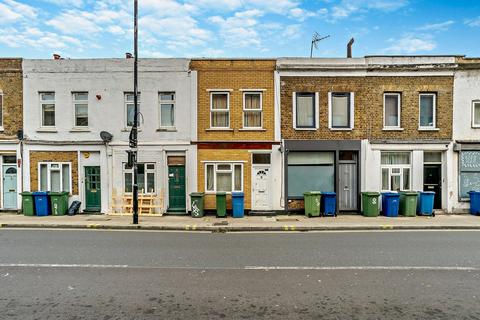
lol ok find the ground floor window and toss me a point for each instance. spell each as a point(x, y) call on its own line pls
point(469, 166)
point(225, 177)
point(55, 176)
point(146, 178)
point(396, 171)
point(310, 171)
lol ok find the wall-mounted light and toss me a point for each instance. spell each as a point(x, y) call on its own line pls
point(99, 97)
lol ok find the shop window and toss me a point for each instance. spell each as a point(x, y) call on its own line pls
point(54, 176)
point(310, 171)
point(396, 171)
point(341, 110)
point(252, 110)
point(427, 110)
point(145, 178)
point(220, 110)
point(469, 165)
point(391, 110)
point(476, 114)
point(225, 177)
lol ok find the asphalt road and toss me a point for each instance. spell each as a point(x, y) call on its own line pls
point(66, 274)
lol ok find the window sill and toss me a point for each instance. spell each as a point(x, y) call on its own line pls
point(428, 129)
point(252, 129)
point(215, 192)
point(219, 129)
point(473, 127)
point(341, 129)
point(393, 129)
point(305, 129)
point(130, 129)
point(167, 129)
point(80, 129)
point(47, 130)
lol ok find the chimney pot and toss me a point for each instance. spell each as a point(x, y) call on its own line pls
point(128, 55)
point(56, 56)
point(349, 48)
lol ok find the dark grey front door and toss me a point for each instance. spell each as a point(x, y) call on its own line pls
point(347, 187)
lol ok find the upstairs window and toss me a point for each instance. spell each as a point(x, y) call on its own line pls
point(427, 110)
point(47, 105)
point(304, 110)
point(252, 109)
point(80, 104)
point(220, 110)
point(476, 114)
point(341, 110)
point(391, 110)
point(130, 108)
point(167, 109)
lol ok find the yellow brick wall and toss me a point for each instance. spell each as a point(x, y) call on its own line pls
point(11, 85)
point(224, 155)
point(235, 75)
point(55, 156)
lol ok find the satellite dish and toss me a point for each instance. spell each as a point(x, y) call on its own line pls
point(106, 136)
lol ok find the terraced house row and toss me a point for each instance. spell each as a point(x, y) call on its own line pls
point(271, 128)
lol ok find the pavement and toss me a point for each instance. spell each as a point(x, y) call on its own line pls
point(116, 274)
point(248, 223)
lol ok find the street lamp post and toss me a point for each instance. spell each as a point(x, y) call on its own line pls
point(134, 133)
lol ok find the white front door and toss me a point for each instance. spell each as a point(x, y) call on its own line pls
point(260, 187)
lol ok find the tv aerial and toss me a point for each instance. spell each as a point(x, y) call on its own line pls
point(315, 40)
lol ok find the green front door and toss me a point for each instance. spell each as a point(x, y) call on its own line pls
point(92, 189)
point(176, 189)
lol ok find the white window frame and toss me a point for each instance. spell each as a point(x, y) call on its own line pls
point(2, 109)
point(49, 169)
point(45, 102)
point(74, 102)
point(154, 171)
point(316, 110)
point(212, 93)
point(390, 174)
point(399, 110)
point(475, 125)
point(215, 170)
point(126, 103)
point(351, 110)
point(161, 102)
point(252, 110)
point(434, 95)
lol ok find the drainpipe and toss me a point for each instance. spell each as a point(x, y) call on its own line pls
point(349, 48)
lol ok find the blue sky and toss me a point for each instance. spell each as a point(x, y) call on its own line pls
point(238, 28)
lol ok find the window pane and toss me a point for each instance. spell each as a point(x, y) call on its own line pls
point(305, 110)
point(224, 167)
point(311, 158)
point(476, 113)
point(66, 177)
point(391, 111)
point(238, 177)
point(395, 183)
point(426, 111)
point(406, 179)
point(432, 157)
point(167, 96)
point(220, 101)
point(48, 114)
point(141, 182)
point(261, 158)
point(80, 96)
point(224, 181)
point(130, 114)
point(210, 177)
point(166, 115)
point(81, 115)
point(128, 181)
point(395, 157)
point(252, 119)
point(47, 96)
point(220, 119)
point(150, 166)
point(43, 177)
point(151, 182)
point(310, 178)
point(385, 179)
point(55, 181)
point(252, 101)
point(340, 111)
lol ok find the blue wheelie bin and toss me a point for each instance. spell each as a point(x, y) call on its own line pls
point(42, 204)
point(425, 203)
point(329, 204)
point(390, 204)
point(238, 204)
point(474, 202)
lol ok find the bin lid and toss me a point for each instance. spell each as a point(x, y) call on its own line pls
point(26, 193)
point(62, 193)
point(370, 193)
point(221, 193)
point(329, 194)
point(196, 194)
point(237, 194)
point(409, 193)
point(427, 192)
point(473, 192)
point(40, 193)
point(390, 194)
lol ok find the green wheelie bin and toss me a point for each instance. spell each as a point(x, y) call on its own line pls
point(370, 204)
point(221, 198)
point(312, 203)
point(59, 203)
point(197, 199)
point(28, 207)
point(408, 203)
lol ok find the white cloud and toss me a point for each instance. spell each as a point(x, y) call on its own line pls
point(441, 26)
point(473, 22)
point(348, 7)
point(410, 44)
point(13, 11)
point(66, 3)
point(292, 31)
point(75, 22)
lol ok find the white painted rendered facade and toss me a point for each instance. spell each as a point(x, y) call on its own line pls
point(107, 81)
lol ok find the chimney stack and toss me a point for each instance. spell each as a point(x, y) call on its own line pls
point(349, 48)
point(56, 56)
point(128, 55)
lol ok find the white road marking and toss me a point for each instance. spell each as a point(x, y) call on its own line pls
point(365, 268)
